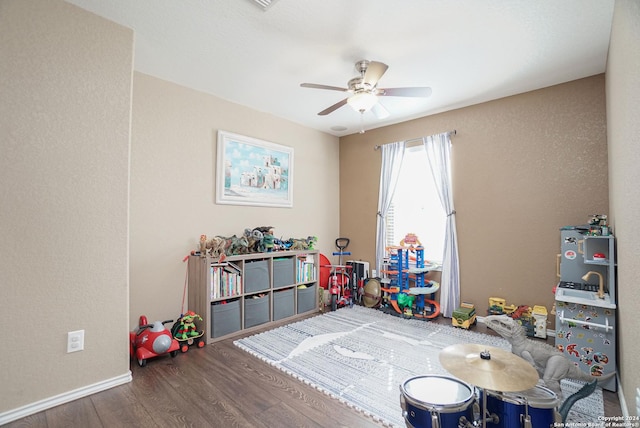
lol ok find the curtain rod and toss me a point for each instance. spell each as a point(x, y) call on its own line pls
point(415, 140)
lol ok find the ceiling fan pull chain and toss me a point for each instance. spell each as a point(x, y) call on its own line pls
point(362, 121)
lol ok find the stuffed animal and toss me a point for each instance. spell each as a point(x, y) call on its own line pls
point(268, 241)
point(216, 246)
point(299, 244)
point(239, 245)
point(203, 245)
point(311, 241)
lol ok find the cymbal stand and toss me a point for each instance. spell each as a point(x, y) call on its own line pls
point(526, 423)
point(492, 417)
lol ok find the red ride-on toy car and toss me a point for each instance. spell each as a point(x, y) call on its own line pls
point(151, 340)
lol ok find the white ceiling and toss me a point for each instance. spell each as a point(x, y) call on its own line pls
point(467, 51)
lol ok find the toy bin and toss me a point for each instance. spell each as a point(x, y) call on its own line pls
point(283, 304)
point(283, 272)
point(256, 276)
point(307, 298)
point(225, 318)
point(256, 310)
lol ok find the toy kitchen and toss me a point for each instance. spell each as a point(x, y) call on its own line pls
point(586, 298)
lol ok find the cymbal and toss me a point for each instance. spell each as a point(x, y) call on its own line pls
point(489, 367)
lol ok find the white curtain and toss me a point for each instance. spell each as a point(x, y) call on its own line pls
point(392, 155)
point(438, 148)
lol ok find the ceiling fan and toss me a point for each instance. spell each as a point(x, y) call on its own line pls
point(365, 92)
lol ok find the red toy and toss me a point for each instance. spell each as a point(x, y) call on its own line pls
point(151, 340)
point(339, 279)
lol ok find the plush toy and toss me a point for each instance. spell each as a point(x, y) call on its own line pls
point(264, 229)
point(302, 243)
point(268, 241)
point(216, 246)
point(294, 244)
point(254, 239)
point(239, 245)
point(203, 245)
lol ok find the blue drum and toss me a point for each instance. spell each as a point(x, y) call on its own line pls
point(510, 410)
point(436, 402)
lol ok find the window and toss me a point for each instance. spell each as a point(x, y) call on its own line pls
point(415, 207)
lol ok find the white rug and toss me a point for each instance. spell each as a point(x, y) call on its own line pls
point(361, 356)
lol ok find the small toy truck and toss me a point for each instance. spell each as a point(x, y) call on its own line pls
point(464, 316)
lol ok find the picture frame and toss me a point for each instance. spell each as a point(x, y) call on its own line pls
point(253, 172)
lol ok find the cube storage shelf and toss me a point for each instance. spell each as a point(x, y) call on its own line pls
point(246, 292)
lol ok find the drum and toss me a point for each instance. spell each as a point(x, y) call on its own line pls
point(436, 401)
point(539, 403)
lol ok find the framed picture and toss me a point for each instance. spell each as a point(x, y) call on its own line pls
point(253, 172)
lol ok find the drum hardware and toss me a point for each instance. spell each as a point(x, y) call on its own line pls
point(489, 368)
point(436, 401)
point(504, 392)
point(533, 408)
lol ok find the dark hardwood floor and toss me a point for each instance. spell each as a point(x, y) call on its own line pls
point(216, 386)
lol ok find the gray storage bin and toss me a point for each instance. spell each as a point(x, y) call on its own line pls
point(225, 318)
point(307, 298)
point(283, 304)
point(283, 272)
point(256, 276)
point(256, 311)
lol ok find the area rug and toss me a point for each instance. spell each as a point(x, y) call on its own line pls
point(362, 356)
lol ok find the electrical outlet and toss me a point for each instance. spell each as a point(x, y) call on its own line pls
point(75, 341)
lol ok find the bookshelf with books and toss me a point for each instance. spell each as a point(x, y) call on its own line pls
point(245, 292)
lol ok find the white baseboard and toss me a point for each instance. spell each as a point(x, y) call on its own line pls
point(623, 404)
point(47, 403)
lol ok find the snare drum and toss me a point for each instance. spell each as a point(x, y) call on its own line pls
point(511, 407)
point(436, 401)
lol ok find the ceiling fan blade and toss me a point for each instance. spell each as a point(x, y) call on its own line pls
point(334, 107)
point(379, 111)
point(374, 72)
point(316, 86)
point(405, 92)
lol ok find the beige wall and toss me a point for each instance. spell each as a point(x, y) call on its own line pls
point(173, 166)
point(523, 167)
point(623, 131)
point(65, 80)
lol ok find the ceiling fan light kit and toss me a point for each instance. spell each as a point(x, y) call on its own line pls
point(365, 92)
point(362, 101)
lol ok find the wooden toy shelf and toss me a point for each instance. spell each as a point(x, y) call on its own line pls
point(245, 292)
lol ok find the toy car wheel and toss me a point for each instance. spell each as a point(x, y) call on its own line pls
point(173, 353)
point(334, 302)
point(200, 344)
point(142, 362)
point(184, 348)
